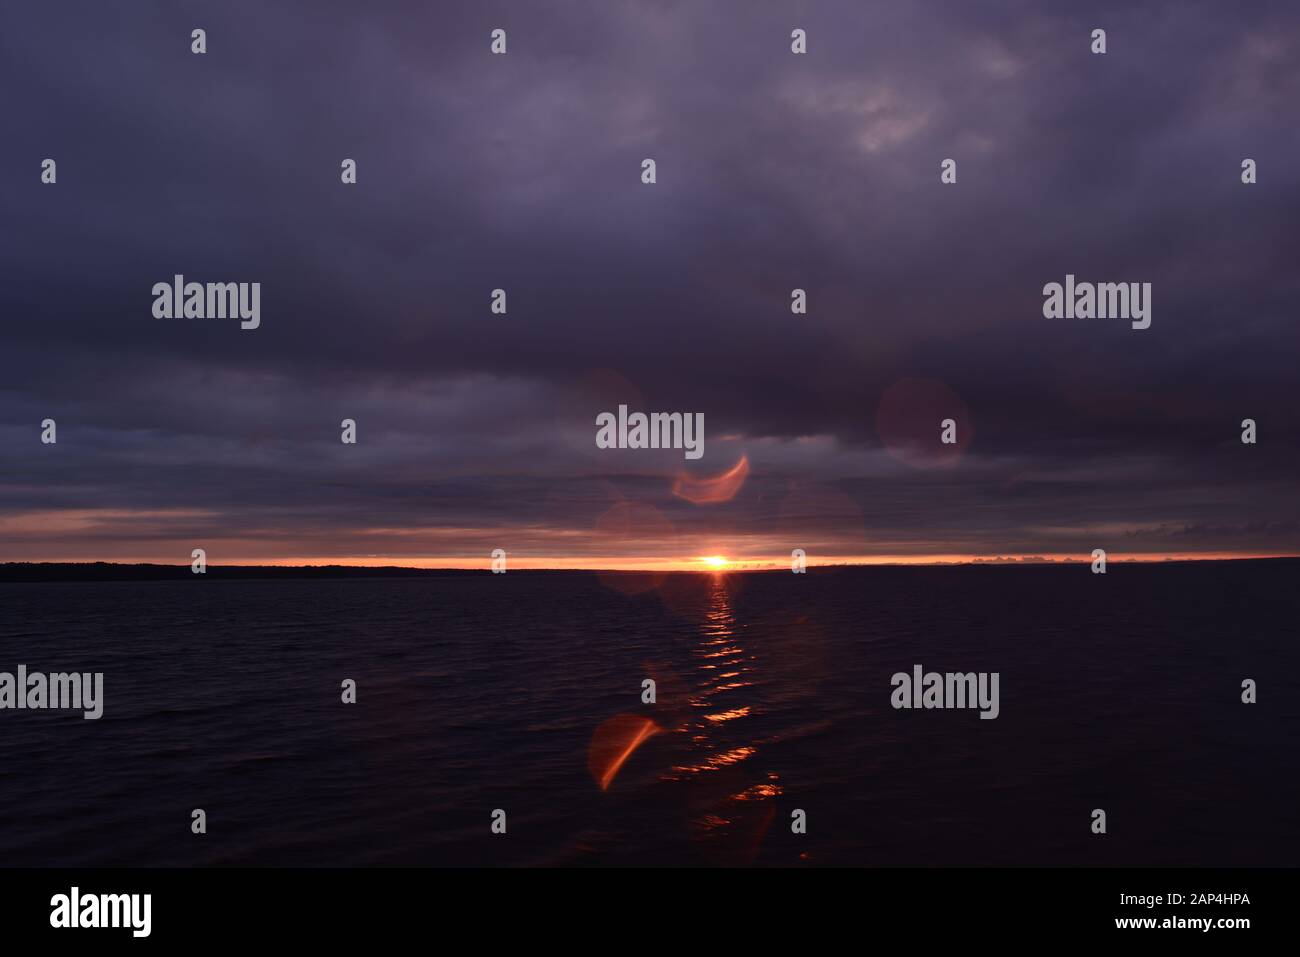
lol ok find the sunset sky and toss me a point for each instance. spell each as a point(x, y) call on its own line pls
point(775, 171)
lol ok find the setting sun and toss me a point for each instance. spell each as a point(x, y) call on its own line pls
point(717, 562)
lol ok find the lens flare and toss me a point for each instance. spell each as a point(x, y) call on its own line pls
point(711, 491)
point(614, 742)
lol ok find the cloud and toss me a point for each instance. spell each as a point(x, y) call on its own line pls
point(776, 171)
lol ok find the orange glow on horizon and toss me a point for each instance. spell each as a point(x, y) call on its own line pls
point(705, 563)
point(630, 563)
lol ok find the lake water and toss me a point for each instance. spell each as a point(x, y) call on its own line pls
point(523, 692)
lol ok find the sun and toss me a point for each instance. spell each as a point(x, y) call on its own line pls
point(716, 562)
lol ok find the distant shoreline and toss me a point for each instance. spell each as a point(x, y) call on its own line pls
point(111, 571)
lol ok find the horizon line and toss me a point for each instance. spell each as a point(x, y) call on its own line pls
point(703, 564)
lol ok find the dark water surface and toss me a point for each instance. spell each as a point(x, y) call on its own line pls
point(1120, 692)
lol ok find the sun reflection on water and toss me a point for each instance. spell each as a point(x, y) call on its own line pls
point(732, 799)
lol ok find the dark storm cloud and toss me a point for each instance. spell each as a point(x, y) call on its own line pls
point(522, 171)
